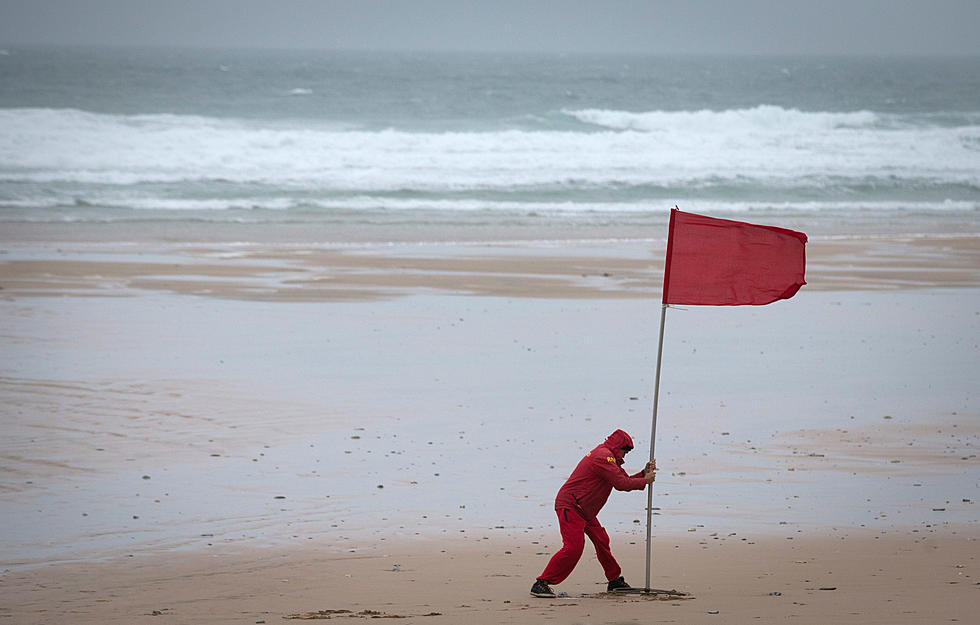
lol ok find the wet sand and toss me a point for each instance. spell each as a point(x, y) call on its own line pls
point(597, 270)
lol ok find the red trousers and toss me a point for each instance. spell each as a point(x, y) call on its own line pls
point(574, 529)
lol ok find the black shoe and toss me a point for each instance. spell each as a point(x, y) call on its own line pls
point(618, 584)
point(541, 589)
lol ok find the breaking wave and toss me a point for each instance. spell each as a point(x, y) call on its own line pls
point(766, 154)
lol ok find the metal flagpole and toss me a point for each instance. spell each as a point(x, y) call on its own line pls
point(656, 386)
point(653, 436)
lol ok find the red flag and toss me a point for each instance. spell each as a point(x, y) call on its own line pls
point(719, 262)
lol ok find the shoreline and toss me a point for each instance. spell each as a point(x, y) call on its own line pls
point(452, 227)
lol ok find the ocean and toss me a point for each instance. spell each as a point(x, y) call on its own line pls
point(351, 145)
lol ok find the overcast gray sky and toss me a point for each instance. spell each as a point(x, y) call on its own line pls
point(632, 26)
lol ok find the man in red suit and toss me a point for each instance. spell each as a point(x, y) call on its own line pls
point(577, 504)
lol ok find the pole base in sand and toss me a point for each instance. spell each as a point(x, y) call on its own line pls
point(650, 591)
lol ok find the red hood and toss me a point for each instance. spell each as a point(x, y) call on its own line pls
point(615, 443)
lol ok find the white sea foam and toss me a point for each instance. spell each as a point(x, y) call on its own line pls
point(765, 118)
point(755, 150)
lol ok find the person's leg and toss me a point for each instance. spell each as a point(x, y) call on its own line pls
point(572, 528)
point(597, 534)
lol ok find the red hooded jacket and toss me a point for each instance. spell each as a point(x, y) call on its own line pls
point(589, 485)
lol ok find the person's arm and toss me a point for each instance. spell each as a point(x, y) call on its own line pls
point(614, 474)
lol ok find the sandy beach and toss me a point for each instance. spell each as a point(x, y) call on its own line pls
point(227, 433)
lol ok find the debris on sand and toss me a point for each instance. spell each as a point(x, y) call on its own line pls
point(329, 614)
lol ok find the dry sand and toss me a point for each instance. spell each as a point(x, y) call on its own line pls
point(908, 571)
point(834, 576)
